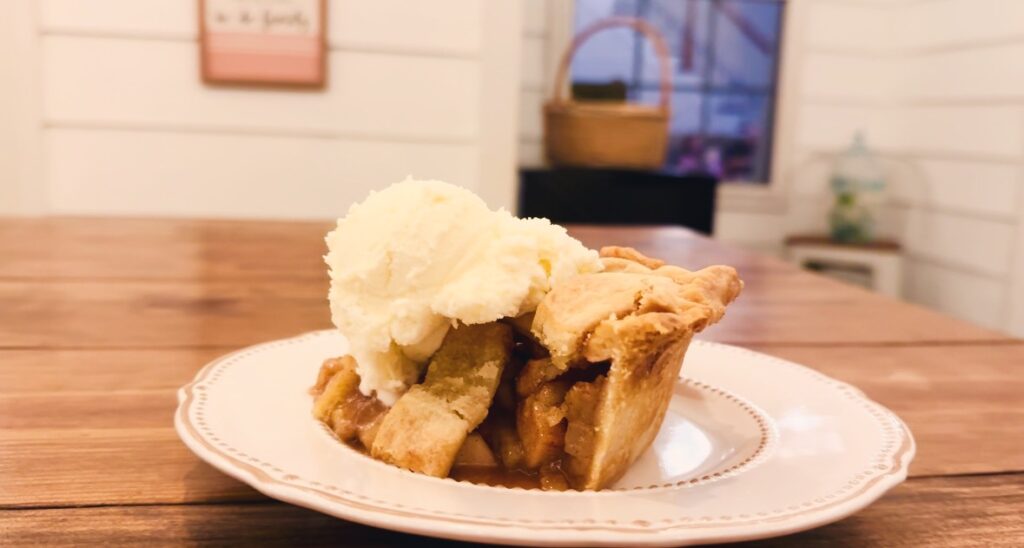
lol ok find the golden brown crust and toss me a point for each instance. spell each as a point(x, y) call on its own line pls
point(420, 433)
point(427, 426)
point(640, 315)
point(630, 254)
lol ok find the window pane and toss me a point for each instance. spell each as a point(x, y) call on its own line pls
point(684, 25)
point(687, 149)
point(608, 55)
point(738, 130)
point(605, 58)
point(746, 36)
point(685, 110)
point(723, 61)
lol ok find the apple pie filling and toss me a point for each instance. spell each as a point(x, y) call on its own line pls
point(488, 410)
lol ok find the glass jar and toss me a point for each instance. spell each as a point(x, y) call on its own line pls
point(858, 183)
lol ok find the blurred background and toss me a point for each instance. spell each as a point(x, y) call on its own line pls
point(878, 141)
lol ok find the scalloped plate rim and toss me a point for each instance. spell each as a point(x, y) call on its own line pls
point(433, 526)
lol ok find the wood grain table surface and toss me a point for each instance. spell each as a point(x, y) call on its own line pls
point(101, 320)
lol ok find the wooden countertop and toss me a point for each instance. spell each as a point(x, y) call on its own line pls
point(101, 320)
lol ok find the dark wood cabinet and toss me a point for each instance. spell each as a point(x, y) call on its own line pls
point(618, 197)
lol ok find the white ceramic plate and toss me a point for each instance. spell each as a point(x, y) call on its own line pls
point(752, 447)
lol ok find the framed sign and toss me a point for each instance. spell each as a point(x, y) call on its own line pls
point(263, 42)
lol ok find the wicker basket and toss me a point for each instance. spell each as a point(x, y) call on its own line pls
point(599, 134)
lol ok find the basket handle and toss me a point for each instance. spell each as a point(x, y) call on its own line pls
point(640, 26)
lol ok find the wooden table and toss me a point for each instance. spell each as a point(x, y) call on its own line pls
point(101, 320)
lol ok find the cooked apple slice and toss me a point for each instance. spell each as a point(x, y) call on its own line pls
point(499, 430)
point(475, 452)
point(581, 417)
point(539, 421)
point(336, 381)
point(341, 406)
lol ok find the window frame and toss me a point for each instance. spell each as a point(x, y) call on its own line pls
point(733, 196)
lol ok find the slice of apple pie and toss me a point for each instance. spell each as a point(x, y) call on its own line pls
point(566, 397)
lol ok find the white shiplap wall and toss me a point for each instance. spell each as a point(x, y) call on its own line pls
point(128, 128)
point(535, 76)
point(20, 132)
point(938, 86)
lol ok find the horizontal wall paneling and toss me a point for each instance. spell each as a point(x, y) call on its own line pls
point(209, 175)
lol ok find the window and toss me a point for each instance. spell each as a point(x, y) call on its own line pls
point(724, 59)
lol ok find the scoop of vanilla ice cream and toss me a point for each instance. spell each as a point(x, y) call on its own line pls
point(412, 260)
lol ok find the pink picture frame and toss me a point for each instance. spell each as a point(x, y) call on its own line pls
point(279, 43)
